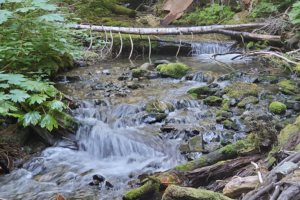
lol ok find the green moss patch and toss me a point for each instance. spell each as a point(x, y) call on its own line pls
point(287, 132)
point(174, 70)
point(240, 90)
point(247, 100)
point(288, 87)
point(196, 92)
point(137, 73)
point(277, 108)
point(213, 101)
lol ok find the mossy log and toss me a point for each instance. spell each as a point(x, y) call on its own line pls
point(120, 10)
point(174, 192)
point(219, 171)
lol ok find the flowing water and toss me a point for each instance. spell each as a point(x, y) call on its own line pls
point(115, 139)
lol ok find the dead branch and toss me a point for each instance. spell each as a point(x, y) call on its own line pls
point(179, 45)
point(258, 172)
point(121, 46)
point(131, 47)
point(149, 50)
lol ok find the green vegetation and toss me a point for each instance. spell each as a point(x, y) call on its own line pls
point(213, 101)
point(144, 189)
point(227, 123)
point(295, 13)
point(277, 107)
point(174, 70)
point(247, 100)
point(226, 105)
point(210, 15)
point(288, 87)
point(240, 90)
point(137, 73)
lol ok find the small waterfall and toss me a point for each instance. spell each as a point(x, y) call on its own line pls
point(210, 47)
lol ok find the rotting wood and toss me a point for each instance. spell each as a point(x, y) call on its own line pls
point(231, 30)
point(202, 176)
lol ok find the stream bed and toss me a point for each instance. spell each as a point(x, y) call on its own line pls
point(118, 138)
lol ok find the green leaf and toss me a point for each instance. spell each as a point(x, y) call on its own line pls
point(6, 106)
point(26, 9)
point(34, 86)
point(4, 85)
point(5, 15)
point(49, 122)
point(12, 78)
point(13, 115)
point(18, 95)
point(32, 117)
point(44, 6)
point(39, 98)
point(51, 18)
point(15, 1)
point(4, 96)
point(51, 90)
point(57, 105)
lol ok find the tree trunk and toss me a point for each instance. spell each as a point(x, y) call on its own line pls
point(203, 176)
point(230, 30)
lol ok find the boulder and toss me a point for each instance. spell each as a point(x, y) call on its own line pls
point(288, 87)
point(153, 117)
point(285, 169)
point(196, 144)
point(247, 101)
point(196, 92)
point(240, 185)
point(145, 66)
point(173, 70)
point(174, 192)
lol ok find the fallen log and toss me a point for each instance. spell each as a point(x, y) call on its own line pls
point(203, 176)
point(230, 30)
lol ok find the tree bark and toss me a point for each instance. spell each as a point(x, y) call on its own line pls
point(231, 30)
point(203, 176)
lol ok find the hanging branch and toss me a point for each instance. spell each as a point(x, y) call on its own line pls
point(112, 42)
point(105, 42)
point(91, 39)
point(258, 172)
point(192, 40)
point(121, 46)
point(149, 50)
point(179, 45)
point(131, 47)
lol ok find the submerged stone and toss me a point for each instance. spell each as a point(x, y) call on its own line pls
point(158, 105)
point(174, 70)
point(196, 92)
point(288, 87)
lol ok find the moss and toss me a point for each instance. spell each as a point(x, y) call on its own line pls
point(106, 19)
point(247, 100)
point(120, 10)
point(213, 101)
point(218, 113)
point(118, 23)
point(229, 150)
point(277, 108)
point(67, 60)
point(179, 22)
point(270, 161)
point(226, 105)
point(137, 73)
point(58, 61)
point(144, 21)
point(297, 148)
point(227, 123)
point(194, 95)
point(287, 132)
point(269, 97)
point(144, 189)
point(297, 99)
point(240, 18)
point(174, 70)
point(288, 87)
point(240, 90)
point(199, 91)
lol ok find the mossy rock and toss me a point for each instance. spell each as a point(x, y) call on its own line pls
point(240, 90)
point(287, 132)
point(288, 87)
point(240, 18)
point(174, 70)
point(196, 144)
point(247, 100)
point(226, 105)
point(213, 101)
point(297, 99)
point(267, 79)
point(277, 108)
point(227, 124)
point(196, 92)
point(90, 54)
point(158, 105)
point(137, 73)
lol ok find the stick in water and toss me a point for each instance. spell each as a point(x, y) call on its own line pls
point(179, 45)
point(149, 50)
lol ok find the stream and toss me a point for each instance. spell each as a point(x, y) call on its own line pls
point(118, 139)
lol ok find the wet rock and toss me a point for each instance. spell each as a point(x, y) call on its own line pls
point(158, 105)
point(240, 185)
point(98, 87)
point(91, 94)
point(292, 105)
point(288, 87)
point(138, 73)
point(227, 124)
point(174, 192)
point(154, 117)
point(106, 71)
point(236, 111)
point(97, 179)
point(196, 144)
point(200, 77)
point(211, 147)
point(121, 94)
point(107, 90)
point(158, 62)
point(145, 66)
point(213, 85)
point(153, 75)
point(285, 169)
point(133, 86)
point(240, 90)
point(196, 92)
point(226, 115)
point(194, 155)
point(213, 101)
point(108, 185)
point(267, 79)
point(99, 102)
point(133, 183)
point(123, 78)
point(183, 146)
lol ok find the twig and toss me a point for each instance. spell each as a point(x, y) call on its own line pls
point(131, 47)
point(179, 45)
point(258, 172)
point(291, 52)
